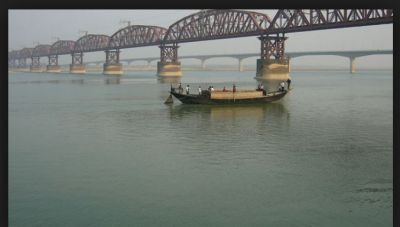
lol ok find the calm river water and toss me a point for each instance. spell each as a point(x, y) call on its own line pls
point(101, 151)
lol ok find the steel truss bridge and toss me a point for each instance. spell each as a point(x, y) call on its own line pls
point(201, 26)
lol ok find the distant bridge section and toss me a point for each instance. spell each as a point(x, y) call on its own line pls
point(91, 43)
point(137, 36)
point(41, 50)
point(351, 54)
point(62, 47)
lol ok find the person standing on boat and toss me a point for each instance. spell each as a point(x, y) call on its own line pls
point(199, 90)
point(187, 89)
point(288, 83)
point(180, 88)
point(282, 86)
point(262, 89)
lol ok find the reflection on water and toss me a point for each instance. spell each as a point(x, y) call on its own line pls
point(112, 80)
point(169, 80)
point(217, 113)
point(240, 132)
point(74, 81)
point(80, 81)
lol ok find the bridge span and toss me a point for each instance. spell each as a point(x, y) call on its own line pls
point(205, 25)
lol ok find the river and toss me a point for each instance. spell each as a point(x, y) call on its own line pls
point(92, 150)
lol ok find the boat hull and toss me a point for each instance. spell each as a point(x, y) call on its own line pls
point(205, 99)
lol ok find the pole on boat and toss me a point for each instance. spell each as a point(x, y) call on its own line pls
point(169, 99)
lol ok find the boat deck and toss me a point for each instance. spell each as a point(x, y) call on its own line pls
point(240, 94)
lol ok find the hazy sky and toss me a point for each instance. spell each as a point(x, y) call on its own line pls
point(29, 26)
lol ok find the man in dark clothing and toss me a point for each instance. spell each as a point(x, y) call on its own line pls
point(288, 83)
point(180, 89)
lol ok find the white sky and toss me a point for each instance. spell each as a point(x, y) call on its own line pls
point(29, 26)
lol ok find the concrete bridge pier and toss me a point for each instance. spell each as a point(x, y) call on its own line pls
point(112, 65)
point(169, 69)
point(273, 66)
point(77, 66)
point(273, 69)
point(352, 64)
point(203, 63)
point(240, 64)
point(169, 66)
point(53, 66)
point(22, 65)
point(35, 65)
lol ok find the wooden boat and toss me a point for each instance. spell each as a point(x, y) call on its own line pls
point(228, 97)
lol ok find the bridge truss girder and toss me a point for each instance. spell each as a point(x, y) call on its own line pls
point(221, 24)
point(217, 24)
point(62, 47)
point(169, 53)
point(112, 57)
point(137, 35)
point(90, 43)
point(77, 58)
point(273, 47)
point(26, 53)
point(53, 60)
point(286, 21)
point(35, 61)
point(41, 50)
